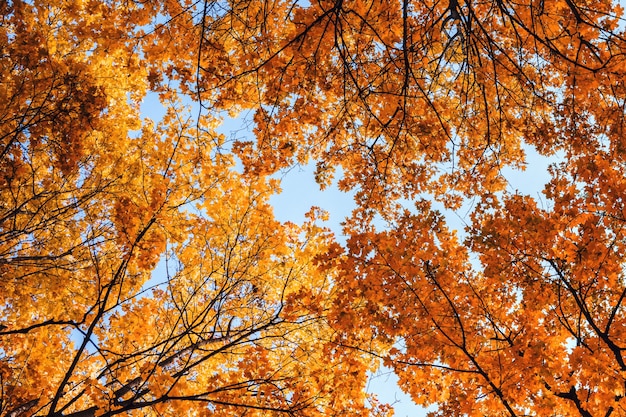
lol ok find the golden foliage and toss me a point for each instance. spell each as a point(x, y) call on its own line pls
point(142, 271)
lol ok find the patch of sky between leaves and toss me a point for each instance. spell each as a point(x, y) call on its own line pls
point(300, 192)
point(530, 181)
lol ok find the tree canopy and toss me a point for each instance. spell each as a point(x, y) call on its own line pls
point(142, 270)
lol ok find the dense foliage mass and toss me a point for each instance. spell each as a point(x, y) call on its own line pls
point(142, 271)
